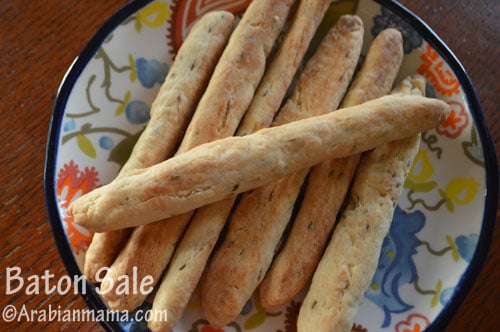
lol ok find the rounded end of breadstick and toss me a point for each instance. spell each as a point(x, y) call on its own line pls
point(221, 305)
point(349, 23)
point(392, 33)
point(272, 290)
point(437, 111)
point(82, 210)
point(270, 298)
point(76, 211)
point(220, 315)
point(163, 325)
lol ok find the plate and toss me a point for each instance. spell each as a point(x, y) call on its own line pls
point(442, 226)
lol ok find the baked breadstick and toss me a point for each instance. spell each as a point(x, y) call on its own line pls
point(258, 221)
point(284, 65)
point(229, 166)
point(217, 115)
point(245, 57)
point(387, 52)
point(328, 183)
point(102, 251)
point(170, 113)
point(350, 260)
point(192, 254)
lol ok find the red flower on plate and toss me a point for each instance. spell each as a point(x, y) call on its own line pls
point(210, 329)
point(437, 71)
point(414, 323)
point(71, 184)
point(456, 122)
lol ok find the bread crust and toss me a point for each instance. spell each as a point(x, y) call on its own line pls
point(225, 167)
point(328, 183)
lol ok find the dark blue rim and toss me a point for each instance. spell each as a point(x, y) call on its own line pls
point(93, 300)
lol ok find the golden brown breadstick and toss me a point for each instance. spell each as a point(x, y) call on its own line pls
point(245, 59)
point(191, 255)
point(350, 260)
point(217, 115)
point(225, 167)
point(170, 113)
point(279, 75)
point(328, 183)
point(103, 250)
point(387, 52)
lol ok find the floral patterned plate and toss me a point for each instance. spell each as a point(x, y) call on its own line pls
point(442, 226)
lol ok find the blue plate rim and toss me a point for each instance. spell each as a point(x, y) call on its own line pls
point(93, 300)
point(90, 296)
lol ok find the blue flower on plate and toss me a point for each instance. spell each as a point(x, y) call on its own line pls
point(151, 71)
point(396, 266)
point(106, 142)
point(466, 245)
point(137, 112)
point(69, 125)
point(387, 19)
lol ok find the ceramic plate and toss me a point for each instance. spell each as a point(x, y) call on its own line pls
point(442, 225)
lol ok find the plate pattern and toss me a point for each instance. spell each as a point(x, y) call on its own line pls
point(433, 236)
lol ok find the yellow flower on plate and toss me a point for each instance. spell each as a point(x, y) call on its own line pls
point(421, 171)
point(153, 15)
point(459, 191)
point(462, 190)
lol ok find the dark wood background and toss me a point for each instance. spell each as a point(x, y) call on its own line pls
point(38, 42)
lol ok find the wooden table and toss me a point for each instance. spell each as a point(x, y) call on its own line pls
point(38, 42)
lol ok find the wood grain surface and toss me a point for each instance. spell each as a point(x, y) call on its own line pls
point(38, 42)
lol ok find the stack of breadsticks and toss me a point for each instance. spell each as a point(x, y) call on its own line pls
point(233, 120)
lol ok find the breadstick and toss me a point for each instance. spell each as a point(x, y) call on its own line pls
point(170, 113)
point(350, 260)
point(279, 75)
point(328, 183)
point(192, 254)
point(102, 251)
point(225, 167)
point(245, 57)
point(218, 114)
point(362, 89)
